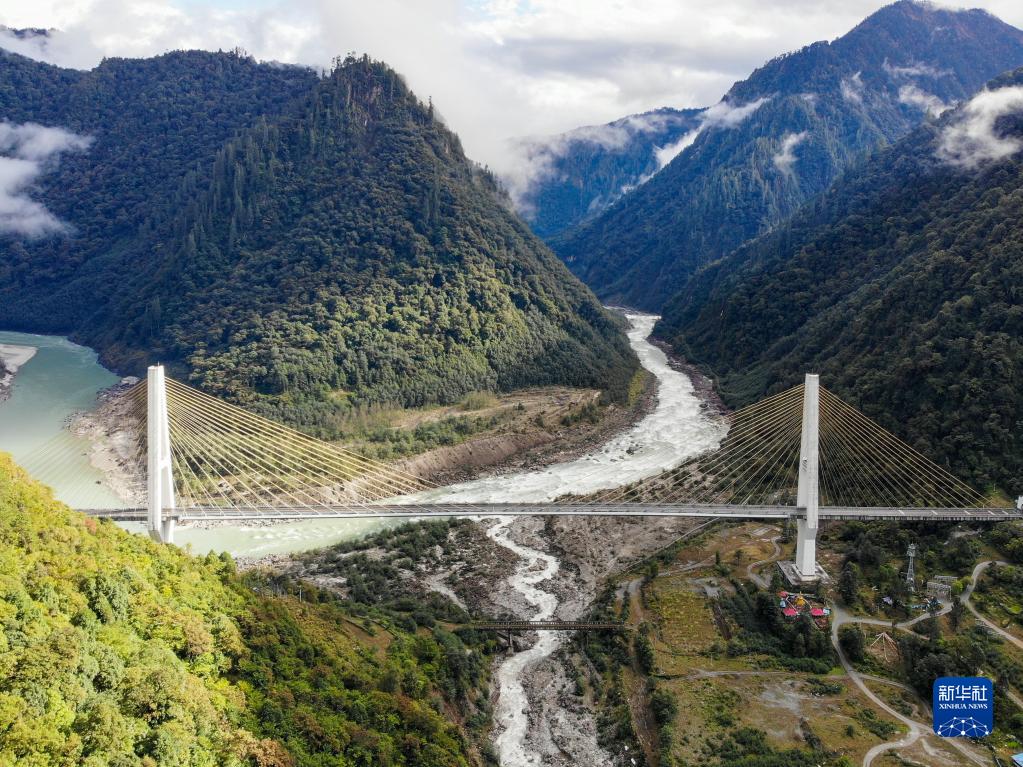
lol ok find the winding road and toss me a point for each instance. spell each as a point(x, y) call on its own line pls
point(758, 579)
point(917, 729)
point(968, 592)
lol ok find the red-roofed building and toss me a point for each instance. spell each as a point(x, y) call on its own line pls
point(790, 612)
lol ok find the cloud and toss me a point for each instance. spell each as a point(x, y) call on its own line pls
point(721, 115)
point(614, 135)
point(852, 88)
point(972, 139)
point(667, 153)
point(928, 102)
point(536, 157)
point(27, 151)
point(914, 70)
point(785, 158)
point(495, 68)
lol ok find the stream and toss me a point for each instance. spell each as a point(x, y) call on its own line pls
point(678, 428)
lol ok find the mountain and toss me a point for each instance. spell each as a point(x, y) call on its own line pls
point(118, 651)
point(572, 177)
point(781, 137)
point(296, 242)
point(902, 286)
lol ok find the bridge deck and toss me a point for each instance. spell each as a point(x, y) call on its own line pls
point(993, 514)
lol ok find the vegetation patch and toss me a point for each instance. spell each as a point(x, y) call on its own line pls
point(119, 651)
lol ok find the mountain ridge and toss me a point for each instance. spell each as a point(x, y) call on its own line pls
point(835, 100)
point(337, 250)
point(900, 286)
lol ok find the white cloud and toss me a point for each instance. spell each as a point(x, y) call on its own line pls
point(928, 102)
point(667, 153)
point(785, 158)
point(914, 70)
point(972, 139)
point(852, 88)
point(536, 156)
point(495, 68)
point(721, 115)
point(27, 151)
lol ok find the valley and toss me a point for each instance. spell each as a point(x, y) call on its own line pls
point(626, 385)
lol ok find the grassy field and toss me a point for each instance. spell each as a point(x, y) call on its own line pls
point(717, 694)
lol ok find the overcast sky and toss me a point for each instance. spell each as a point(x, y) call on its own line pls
point(494, 68)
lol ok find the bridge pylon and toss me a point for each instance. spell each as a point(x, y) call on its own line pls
point(160, 482)
point(808, 490)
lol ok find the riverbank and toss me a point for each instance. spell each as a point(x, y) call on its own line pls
point(113, 433)
point(12, 358)
point(565, 560)
point(530, 446)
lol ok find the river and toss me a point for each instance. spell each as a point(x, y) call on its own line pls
point(64, 378)
point(678, 428)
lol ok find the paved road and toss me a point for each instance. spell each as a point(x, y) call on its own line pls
point(425, 509)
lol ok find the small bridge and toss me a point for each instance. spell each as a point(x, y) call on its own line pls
point(802, 454)
point(513, 626)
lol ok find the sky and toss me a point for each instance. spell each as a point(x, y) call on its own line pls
point(495, 69)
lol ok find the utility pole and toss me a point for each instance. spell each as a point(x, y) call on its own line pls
point(808, 492)
point(911, 568)
point(160, 480)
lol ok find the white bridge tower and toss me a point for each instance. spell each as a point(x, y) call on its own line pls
point(161, 478)
point(808, 491)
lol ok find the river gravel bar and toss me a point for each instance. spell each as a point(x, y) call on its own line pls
point(13, 358)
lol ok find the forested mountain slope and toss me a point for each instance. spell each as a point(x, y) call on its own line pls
point(781, 137)
point(902, 286)
point(337, 249)
point(152, 123)
point(574, 176)
point(119, 652)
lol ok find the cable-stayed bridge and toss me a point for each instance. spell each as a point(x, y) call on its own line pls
point(803, 454)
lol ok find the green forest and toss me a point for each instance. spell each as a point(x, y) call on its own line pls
point(903, 287)
point(837, 100)
point(118, 652)
point(329, 247)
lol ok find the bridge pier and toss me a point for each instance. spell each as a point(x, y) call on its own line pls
point(808, 491)
point(160, 482)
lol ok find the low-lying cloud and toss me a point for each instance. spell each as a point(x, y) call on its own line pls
point(921, 99)
point(914, 70)
point(536, 157)
point(785, 158)
point(27, 151)
point(852, 88)
point(973, 139)
point(721, 115)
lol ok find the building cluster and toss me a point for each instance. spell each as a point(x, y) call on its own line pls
point(793, 604)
